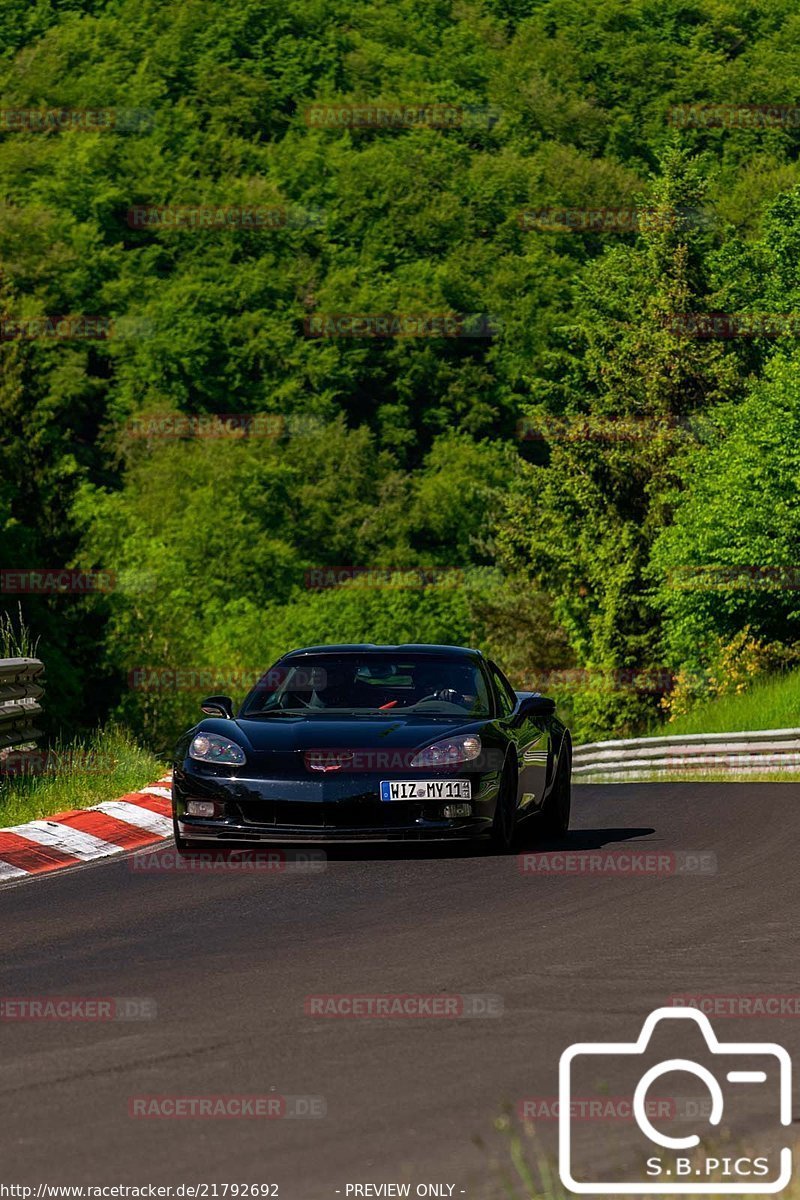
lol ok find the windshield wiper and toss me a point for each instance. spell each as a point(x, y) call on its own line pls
point(274, 712)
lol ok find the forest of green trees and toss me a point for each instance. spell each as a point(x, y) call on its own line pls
point(603, 490)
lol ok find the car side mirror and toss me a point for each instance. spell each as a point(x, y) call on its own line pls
point(218, 706)
point(535, 706)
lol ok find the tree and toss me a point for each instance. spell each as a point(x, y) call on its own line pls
point(615, 405)
point(729, 561)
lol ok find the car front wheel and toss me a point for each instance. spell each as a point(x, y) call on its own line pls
point(504, 826)
point(556, 811)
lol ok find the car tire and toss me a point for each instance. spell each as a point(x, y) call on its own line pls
point(557, 806)
point(504, 825)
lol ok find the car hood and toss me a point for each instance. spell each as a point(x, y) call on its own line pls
point(286, 734)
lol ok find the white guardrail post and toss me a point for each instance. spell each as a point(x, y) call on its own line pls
point(754, 751)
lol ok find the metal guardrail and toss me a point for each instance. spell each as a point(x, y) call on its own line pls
point(20, 689)
point(751, 751)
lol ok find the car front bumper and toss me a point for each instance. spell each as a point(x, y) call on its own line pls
point(347, 808)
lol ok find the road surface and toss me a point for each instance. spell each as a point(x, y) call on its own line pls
point(228, 958)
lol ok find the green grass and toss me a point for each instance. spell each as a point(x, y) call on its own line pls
point(790, 775)
point(102, 767)
point(15, 640)
point(773, 703)
point(521, 1170)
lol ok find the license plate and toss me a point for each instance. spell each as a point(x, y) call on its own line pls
point(425, 789)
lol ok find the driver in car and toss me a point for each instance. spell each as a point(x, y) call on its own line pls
point(338, 691)
point(430, 685)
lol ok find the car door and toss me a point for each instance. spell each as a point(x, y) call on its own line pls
point(532, 739)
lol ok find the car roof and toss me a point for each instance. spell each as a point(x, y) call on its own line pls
point(373, 648)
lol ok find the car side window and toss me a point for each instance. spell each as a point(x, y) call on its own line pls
point(505, 693)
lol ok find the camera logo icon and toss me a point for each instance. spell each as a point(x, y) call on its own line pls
point(682, 1164)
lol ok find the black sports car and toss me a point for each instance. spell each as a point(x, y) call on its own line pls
point(373, 743)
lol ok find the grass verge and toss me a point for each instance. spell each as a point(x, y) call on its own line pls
point(101, 767)
point(521, 1170)
point(771, 703)
point(776, 776)
point(16, 640)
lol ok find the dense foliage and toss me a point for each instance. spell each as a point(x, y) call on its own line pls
point(590, 547)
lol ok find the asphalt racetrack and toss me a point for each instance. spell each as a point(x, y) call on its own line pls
point(227, 960)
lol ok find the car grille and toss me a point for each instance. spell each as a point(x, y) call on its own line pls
point(363, 812)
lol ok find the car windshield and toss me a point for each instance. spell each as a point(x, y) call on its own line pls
point(369, 685)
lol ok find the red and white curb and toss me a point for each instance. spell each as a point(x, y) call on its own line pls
point(67, 839)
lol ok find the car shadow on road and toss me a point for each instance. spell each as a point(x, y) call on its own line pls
point(588, 839)
point(575, 841)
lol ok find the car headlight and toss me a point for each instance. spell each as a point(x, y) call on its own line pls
point(448, 752)
point(211, 748)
